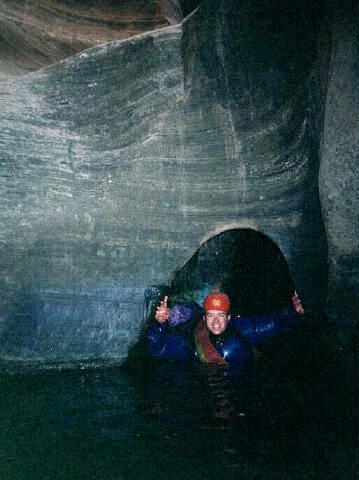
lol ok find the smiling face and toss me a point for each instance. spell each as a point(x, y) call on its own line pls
point(216, 321)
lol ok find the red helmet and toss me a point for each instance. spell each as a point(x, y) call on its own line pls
point(217, 301)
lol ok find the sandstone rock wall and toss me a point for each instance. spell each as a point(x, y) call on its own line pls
point(36, 34)
point(118, 162)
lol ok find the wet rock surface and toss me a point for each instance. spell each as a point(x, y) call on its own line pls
point(118, 162)
point(339, 172)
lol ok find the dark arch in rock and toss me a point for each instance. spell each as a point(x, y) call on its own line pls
point(243, 262)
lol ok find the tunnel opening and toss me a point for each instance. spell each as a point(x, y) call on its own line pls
point(245, 264)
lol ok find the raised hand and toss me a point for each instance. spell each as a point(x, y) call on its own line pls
point(297, 304)
point(162, 312)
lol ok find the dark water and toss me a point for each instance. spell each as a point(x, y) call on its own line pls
point(293, 418)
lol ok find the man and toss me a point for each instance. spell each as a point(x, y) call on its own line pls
point(215, 338)
point(211, 340)
point(182, 332)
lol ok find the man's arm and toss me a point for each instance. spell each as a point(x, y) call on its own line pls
point(258, 329)
point(161, 343)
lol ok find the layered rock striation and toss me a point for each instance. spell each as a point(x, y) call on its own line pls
point(118, 162)
point(35, 34)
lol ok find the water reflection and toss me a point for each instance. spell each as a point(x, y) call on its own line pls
point(179, 421)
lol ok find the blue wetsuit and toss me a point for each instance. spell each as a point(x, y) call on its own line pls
point(231, 346)
point(164, 344)
point(234, 345)
point(258, 329)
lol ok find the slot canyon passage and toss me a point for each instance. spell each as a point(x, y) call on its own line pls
point(174, 146)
